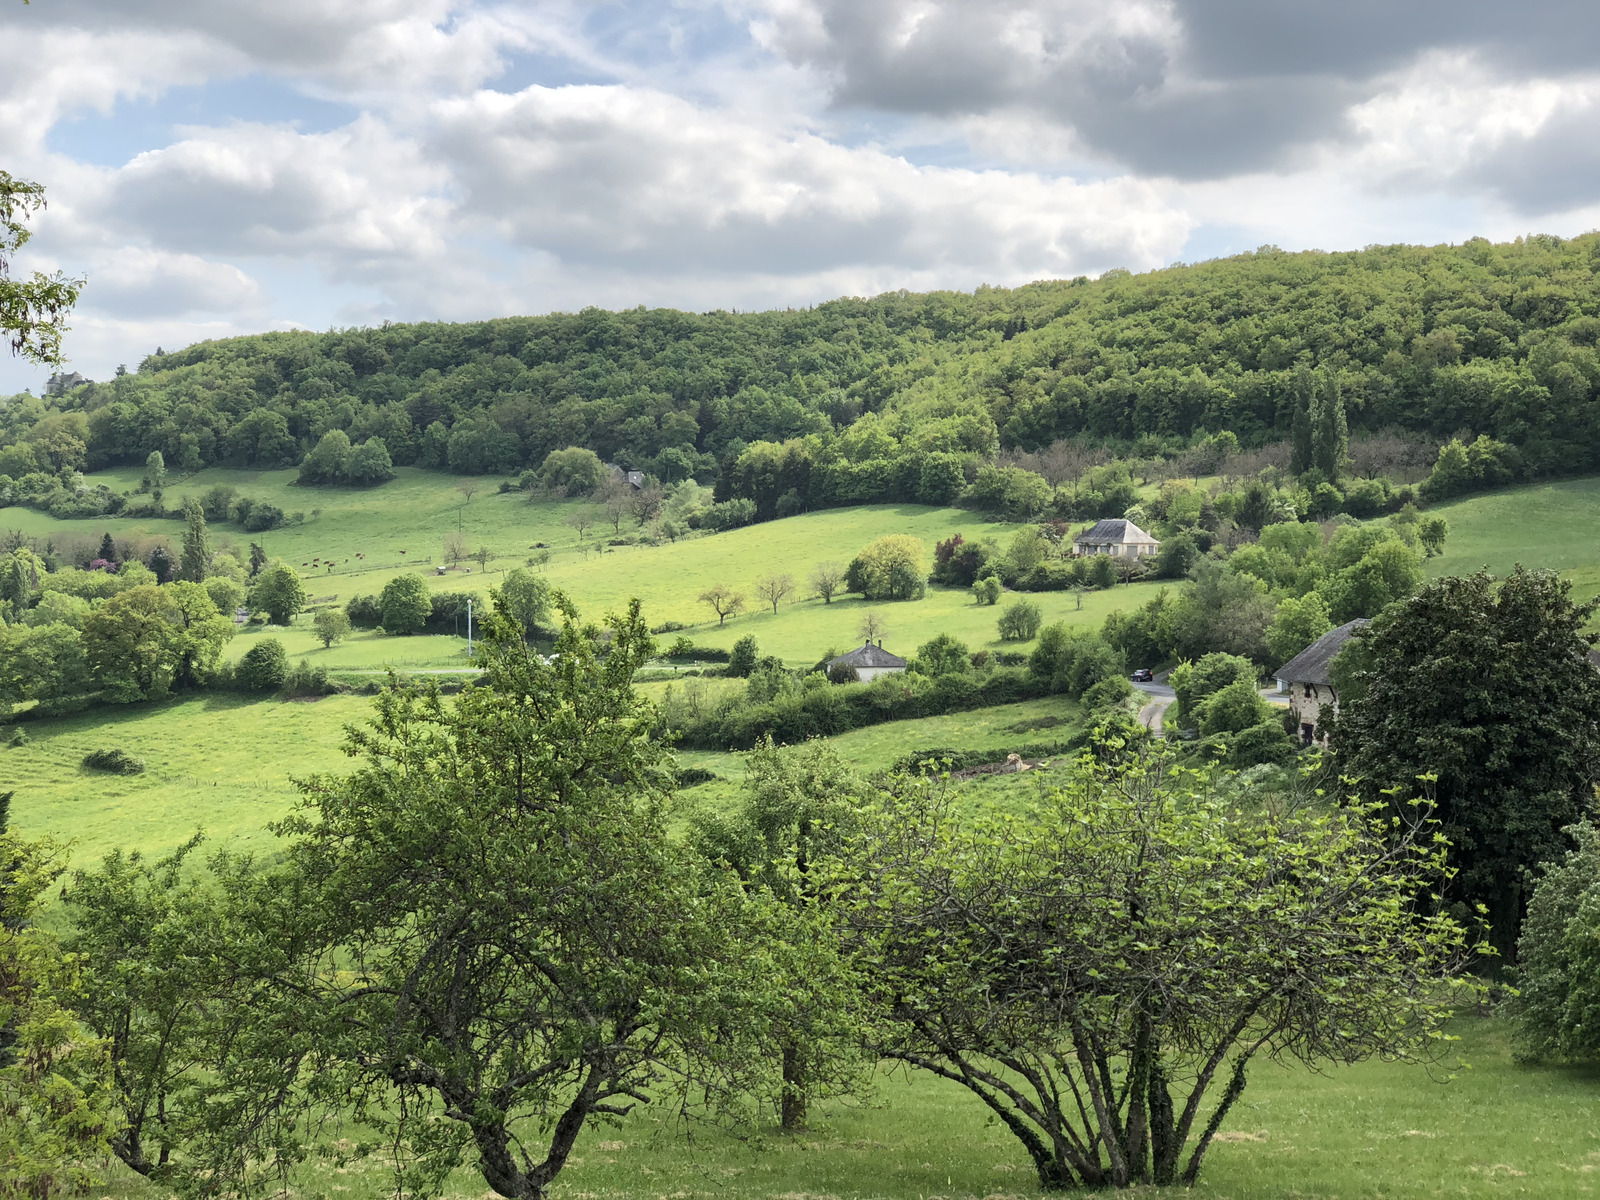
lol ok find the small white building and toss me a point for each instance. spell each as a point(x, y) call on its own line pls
point(1305, 679)
point(1115, 536)
point(868, 662)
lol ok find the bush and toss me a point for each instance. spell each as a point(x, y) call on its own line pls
point(364, 612)
point(306, 680)
point(117, 762)
point(890, 568)
point(730, 514)
point(264, 667)
point(1020, 621)
point(742, 658)
point(987, 590)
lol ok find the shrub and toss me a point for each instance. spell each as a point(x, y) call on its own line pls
point(987, 590)
point(364, 612)
point(742, 658)
point(1020, 621)
point(264, 667)
point(306, 680)
point(117, 762)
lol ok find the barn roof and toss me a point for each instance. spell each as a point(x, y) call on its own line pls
point(1311, 664)
point(868, 655)
point(1115, 532)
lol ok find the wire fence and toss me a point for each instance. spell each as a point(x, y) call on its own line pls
point(322, 570)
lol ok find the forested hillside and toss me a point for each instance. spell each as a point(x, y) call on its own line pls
point(897, 397)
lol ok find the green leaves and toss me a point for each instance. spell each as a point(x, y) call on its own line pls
point(1139, 927)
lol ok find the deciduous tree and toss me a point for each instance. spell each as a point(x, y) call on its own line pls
point(1049, 963)
point(1487, 685)
point(774, 589)
point(827, 578)
point(33, 311)
point(723, 601)
point(504, 944)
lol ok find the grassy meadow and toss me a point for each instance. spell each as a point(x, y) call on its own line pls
point(1476, 1125)
point(404, 521)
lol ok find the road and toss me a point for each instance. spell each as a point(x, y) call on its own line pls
point(1154, 709)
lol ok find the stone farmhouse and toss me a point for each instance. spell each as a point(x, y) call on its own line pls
point(1304, 679)
point(868, 662)
point(1119, 537)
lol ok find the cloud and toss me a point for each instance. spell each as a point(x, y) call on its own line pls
point(354, 194)
point(1194, 89)
point(625, 177)
point(136, 282)
point(50, 73)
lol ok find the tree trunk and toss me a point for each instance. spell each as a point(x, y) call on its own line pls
point(793, 1105)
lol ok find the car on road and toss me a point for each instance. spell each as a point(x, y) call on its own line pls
point(1143, 675)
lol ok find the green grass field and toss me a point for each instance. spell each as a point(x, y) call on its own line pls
point(408, 519)
point(1373, 1131)
point(220, 762)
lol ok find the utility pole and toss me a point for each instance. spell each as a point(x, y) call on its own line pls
point(469, 628)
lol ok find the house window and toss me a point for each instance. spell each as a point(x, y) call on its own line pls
point(1310, 691)
point(1307, 733)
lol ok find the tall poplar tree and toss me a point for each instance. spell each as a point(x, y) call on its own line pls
point(1330, 432)
point(196, 544)
point(1300, 446)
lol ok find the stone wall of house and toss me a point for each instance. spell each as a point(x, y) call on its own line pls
point(868, 674)
point(1306, 701)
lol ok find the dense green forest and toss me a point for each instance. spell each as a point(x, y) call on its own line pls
point(901, 396)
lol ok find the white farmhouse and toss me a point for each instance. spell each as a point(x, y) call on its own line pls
point(868, 662)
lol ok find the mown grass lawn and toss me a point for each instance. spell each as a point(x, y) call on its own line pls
point(1374, 1130)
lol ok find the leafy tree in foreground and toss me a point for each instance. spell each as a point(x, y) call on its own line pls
point(795, 808)
point(1558, 958)
point(506, 945)
point(33, 311)
point(1487, 685)
point(144, 931)
point(1094, 970)
point(57, 1108)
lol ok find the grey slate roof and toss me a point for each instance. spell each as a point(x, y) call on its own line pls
point(1311, 664)
point(868, 655)
point(1115, 532)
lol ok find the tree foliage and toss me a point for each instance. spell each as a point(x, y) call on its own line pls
point(58, 1110)
point(500, 944)
point(1102, 972)
point(1487, 685)
point(1558, 957)
point(33, 311)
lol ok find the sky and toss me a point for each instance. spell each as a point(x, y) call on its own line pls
point(217, 167)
